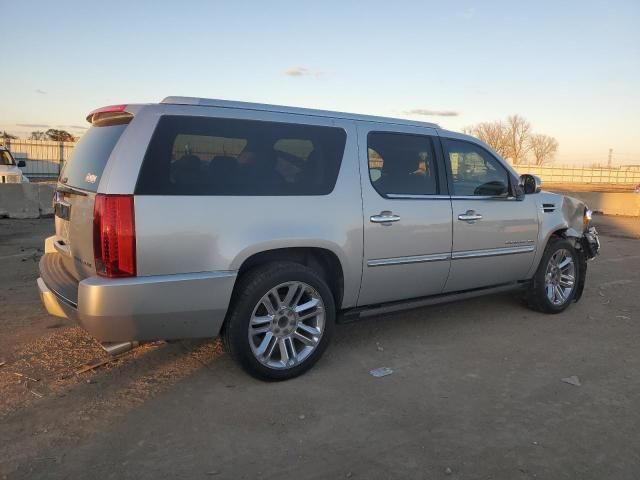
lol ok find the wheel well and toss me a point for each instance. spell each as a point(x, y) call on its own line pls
point(323, 261)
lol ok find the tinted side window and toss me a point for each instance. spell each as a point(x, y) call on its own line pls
point(213, 156)
point(402, 164)
point(84, 168)
point(474, 171)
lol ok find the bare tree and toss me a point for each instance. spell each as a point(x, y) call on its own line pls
point(543, 148)
point(38, 135)
point(7, 136)
point(493, 134)
point(59, 135)
point(518, 132)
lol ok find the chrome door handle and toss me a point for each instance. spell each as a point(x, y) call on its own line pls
point(470, 216)
point(385, 217)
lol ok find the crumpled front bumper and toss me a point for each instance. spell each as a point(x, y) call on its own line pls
point(591, 242)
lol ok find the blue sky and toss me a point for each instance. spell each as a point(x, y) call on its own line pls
point(571, 68)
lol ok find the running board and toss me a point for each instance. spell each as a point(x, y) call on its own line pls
point(391, 307)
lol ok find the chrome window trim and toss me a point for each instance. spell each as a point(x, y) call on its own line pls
point(380, 262)
point(400, 196)
point(482, 197)
point(492, 252)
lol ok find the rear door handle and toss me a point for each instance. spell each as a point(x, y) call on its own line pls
point(470, 216)
point(386, 218)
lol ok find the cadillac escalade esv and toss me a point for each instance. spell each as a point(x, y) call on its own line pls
point(263, 224)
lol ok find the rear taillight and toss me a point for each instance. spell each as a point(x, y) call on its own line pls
point(114, 236)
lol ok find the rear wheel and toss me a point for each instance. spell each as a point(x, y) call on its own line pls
point(281, 320)
point(555, 283)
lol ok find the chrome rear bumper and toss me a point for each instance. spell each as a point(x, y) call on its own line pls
point(140, 308)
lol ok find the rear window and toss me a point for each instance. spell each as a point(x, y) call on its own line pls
point(84, 168)
point(212, 156)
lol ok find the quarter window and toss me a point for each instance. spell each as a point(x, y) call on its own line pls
point(401, 164)
point(474, 171)
point(213, 156)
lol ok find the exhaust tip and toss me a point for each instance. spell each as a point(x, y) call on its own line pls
point(116, 348)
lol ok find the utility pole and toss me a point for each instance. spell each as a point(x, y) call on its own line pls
point(610, 154)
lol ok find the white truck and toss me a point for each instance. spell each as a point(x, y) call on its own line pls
point(10, 170)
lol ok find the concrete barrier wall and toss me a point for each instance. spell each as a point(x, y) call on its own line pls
point(32, 200)
point(627, 204)
point(26, 200)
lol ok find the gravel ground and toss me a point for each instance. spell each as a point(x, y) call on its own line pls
point(476, 392)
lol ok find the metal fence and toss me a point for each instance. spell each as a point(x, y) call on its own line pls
point(622, 175)
point(44, 158)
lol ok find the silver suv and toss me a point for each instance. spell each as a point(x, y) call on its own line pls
point(195, 217)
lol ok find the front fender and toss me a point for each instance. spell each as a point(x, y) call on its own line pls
point(557, 215)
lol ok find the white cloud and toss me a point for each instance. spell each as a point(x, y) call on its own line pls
point(432, 113)
point(299, 71)
point(468, 12)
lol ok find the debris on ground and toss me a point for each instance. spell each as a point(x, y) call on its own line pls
point(301, 417)
point(27, 377)
point(39, 395)
point(381, 372)
point(572, 380)
point(99, 363)
point(448, 471)
point(2, 364)
point(623, 317)
point(379, 347)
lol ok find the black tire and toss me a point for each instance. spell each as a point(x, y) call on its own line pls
point(537, 297)
point(251, 288)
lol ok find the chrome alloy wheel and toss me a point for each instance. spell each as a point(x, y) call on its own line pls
point(286, 325)
point(560, 277)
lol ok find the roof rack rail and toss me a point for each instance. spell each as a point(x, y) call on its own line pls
point(210, 102)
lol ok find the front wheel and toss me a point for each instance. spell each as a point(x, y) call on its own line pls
point(281, 320)
point(554, 285)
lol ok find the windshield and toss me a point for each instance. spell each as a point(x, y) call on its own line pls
point(5, 158)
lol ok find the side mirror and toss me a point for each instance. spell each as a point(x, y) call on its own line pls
point(530, 183)
point(22, 163)
point(518, 192)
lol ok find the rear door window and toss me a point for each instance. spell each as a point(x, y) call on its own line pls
point(402, 164)
point(213, 156)
point(86, 164)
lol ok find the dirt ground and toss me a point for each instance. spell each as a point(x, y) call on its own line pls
point(476, 392)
